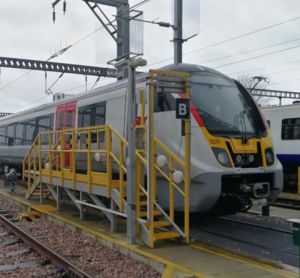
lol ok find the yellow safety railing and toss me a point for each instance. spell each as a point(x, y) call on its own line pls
point(78, 155)
point(174, 163)
point(95, 156)
point(298, 176)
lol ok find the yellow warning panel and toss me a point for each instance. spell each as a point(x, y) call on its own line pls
point(43, 208)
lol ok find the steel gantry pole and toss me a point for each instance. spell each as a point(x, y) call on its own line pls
point(131, 182)
point(178, 40)
point(131, 64)
point(120, 33)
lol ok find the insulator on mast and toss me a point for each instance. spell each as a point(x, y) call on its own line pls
point(64, 6)
point(53, 15)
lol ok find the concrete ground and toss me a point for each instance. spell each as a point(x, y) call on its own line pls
point(173, 259)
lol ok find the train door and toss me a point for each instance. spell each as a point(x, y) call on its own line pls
point(65, 116)
point(65, 119)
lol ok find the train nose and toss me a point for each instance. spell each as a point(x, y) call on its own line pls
point(261, 190)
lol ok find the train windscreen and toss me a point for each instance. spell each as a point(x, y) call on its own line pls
point(225, 107)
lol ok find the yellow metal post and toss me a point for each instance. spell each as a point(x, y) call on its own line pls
point(187, 126)
point(28, 174)
point(151, 161)
point(171, 189)
point(121, 176)
point(73, 159)
point(34, 165)
point(108, 159)
point(62, 157)
point(50, 155)
point(89, 161)
point(298, 180)
point(40, 166)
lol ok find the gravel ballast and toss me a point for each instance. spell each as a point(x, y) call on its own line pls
point(85, 252)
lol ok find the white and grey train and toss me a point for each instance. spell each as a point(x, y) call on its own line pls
point(284, 122)
point(232, 159)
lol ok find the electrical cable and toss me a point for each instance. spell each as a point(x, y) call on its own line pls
point(250, 51)
point(232, 39)
point(258, 56)
point(269, 66)
point(63, 50)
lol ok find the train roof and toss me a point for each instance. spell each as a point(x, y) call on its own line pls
point(191, 68)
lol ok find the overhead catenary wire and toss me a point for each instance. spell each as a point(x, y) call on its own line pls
point(250, 50)
point(231, 39)
point(263, 68)
point(65, 49)
point(258, 56)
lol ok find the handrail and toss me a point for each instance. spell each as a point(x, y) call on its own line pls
point(170, 153)
point(104, 144)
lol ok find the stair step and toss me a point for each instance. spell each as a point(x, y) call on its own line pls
point(161, 224)
point(166, 235)
point(143, 203)
point(156, 213)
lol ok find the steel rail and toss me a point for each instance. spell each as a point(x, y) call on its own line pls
point(70, 269)
point(287, 203)
point(243, 222)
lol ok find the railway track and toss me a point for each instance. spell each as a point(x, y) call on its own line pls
point(289, 203)
point(253, 224)
point(14, 235)
point(259, 237)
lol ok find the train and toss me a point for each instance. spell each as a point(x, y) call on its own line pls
point(284, 123)
point(233, 164)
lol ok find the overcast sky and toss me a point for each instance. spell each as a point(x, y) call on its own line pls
point(27, 31)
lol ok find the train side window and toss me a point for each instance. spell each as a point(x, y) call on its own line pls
point(100, 114)
point(19, 138)
point(69, 119)
point(91, 115)
point(10, 134)
point(60, 121)
point(45, 124)
point(84, 116)
point(290, 129)
point(164, 102)
point(2, 135)
point(30, 132)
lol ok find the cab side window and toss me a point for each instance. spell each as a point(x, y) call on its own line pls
point(30, 131)
point(19, 138)
point(164, 102)
point(10, 134)
point(2, 135)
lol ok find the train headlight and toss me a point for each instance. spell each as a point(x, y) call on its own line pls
point(269, 156)
point(222, 157)
point(251, 158)
point(239, 159)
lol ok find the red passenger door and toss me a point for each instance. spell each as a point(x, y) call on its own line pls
point(65, 116)
point(65, 119)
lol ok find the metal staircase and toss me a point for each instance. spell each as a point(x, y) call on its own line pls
point(88, 165)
